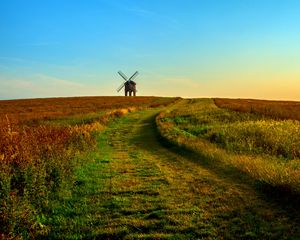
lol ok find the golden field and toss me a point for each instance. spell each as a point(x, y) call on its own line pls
point(274, 109)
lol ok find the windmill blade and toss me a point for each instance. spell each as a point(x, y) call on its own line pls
point(123, 76)
point(133, 76)
point(120, 88)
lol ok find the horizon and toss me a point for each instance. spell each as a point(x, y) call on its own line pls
point(190, 49)
point(145, 96)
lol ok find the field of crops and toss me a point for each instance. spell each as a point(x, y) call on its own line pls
point(39, 142)
point(254, 138)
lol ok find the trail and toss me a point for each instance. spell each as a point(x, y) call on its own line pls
point(135, 188)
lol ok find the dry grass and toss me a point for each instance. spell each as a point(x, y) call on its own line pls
point(223, 136)
point(273, 109)
point(39, 138)
point(24, 111)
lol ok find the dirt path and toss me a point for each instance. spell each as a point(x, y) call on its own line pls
point(135, 188)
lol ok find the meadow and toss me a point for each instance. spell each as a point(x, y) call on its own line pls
point(31, 111)
point(260, 140)
point(40, 140)
point(148, 168)
point(273, 109)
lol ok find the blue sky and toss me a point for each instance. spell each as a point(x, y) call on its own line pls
point(188, 48)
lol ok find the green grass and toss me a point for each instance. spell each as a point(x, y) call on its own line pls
point(132, 187)
point(40, 139)
point(237, 132)
point(266, 149)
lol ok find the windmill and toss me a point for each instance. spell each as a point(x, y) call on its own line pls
point(129, 84)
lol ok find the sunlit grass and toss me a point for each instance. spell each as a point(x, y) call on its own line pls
point(133, 188)
point(273, 109)
point(104, 175)
point(264, 148)
point(39, 139)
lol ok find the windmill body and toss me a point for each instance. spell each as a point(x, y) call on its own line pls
point(130, 88)
point(129, 85)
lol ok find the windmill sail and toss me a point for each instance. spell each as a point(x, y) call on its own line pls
point(133, 76)
point(120, 88)
point(123, 76)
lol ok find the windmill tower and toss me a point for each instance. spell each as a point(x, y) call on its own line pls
point(129, 84)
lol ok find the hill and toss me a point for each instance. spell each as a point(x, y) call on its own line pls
point(147, 168)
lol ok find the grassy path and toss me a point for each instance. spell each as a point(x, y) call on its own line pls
point(134, 188)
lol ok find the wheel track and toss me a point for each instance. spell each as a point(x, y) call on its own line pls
point(148, 191)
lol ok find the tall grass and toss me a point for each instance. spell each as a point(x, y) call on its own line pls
point(276, 138)
point(37, 152)
point(38, 110)
point(265, 149)
point(34, 163)
point(273, 109)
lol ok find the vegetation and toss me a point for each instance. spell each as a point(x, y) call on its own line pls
point(264, 148)
point(101, 173)
point(30, 111)
point(132, 187)
point(39, 140)
point(273, 109)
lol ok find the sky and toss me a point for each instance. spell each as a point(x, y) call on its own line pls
point(187, 48)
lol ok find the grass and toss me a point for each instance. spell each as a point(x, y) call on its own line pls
point(131, 187)
point(127, 182)
point(38, 110)
point(265, 149)
point(274, 109)
point(39, 139)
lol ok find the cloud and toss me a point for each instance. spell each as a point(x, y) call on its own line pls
point(53, 81)
point(168, 85)
point(141, 12)
point(145, 13)
point(43, 85)
point(13, 59)
point(154, 16)
point(42, 44)
point(4, 67)
point(30, 63)
point(181, 82)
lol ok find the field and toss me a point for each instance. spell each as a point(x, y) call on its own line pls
point(40, 138)
point(34, 110)
point(273, 109)
point(259, 145)
point(149, 168)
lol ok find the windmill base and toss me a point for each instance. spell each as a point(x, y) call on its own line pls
point(130, 93)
